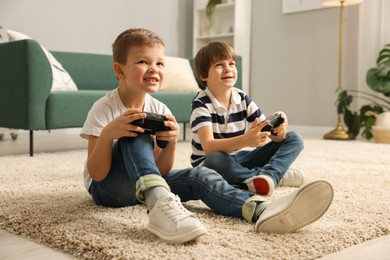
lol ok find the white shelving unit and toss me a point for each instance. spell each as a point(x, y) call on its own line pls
point(231, 23)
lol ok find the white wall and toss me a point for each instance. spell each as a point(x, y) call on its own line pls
point(92, 26)
point(294, 63)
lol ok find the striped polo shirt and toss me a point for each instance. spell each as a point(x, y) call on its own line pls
point(207, 111)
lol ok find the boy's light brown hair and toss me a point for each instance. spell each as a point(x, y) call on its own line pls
point(130, 38)
point(209, 54)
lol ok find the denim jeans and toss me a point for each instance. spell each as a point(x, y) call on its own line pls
point(272, 159)
point(132, 159)
point(210, 187)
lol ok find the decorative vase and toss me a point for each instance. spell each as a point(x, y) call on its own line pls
point(381, 129)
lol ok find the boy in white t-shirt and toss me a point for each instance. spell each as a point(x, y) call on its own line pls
point(126, 167)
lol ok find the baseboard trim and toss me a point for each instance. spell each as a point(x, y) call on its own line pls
point(310, 130)
point(302, 129)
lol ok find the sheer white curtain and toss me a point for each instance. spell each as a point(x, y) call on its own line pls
point(385, 23)
point(374, 33)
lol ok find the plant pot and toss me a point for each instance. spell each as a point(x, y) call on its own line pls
point(381, 129)
point(381, 135)
point(382, 120)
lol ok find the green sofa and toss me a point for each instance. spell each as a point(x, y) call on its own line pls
point(26, 100)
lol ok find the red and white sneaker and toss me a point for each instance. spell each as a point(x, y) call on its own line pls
point(259, 184)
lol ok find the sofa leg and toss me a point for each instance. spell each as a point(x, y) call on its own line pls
point(184, 131)
point(31, 143)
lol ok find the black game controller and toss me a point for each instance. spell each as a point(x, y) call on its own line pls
point(274, 121)
point(153, 123)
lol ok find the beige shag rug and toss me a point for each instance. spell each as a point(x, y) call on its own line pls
point(43, 198)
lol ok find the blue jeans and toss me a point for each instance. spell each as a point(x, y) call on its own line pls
point(132, 160)
point(272, 159)
point(210, 187)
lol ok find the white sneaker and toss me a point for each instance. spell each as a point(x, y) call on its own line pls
point(292, 178)
point(297, 209)
point(259, 184)
point(173, 223)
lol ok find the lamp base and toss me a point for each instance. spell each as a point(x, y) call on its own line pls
point(339, 134)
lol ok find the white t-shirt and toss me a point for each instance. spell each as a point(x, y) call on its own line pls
point(105, 110)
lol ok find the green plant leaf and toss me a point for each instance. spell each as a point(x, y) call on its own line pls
point(351, 120)
point(211, 7)
point(366, 133)
point(378, 79)
point(367, 121)
point(384, 56)
point(343, 101)
point(339, 91)
point(377, 82)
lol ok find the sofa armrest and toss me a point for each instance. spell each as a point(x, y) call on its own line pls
point(25, 84)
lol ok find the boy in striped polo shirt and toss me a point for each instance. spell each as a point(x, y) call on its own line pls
point(225, 122)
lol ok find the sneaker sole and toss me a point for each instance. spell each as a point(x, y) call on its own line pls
point(178, 238)
point(296, 210)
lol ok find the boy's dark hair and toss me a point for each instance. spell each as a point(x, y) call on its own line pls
point(209, 54)
point(130, 38)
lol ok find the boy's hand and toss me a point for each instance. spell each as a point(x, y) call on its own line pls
point(172, 134)
point(281, 130)
point(121, 126)
point(254, 136)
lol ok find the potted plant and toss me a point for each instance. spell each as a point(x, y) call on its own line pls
point(210, 8)
point(378, 80)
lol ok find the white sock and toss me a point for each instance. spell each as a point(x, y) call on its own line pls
point(153, 194)
point(260, 209)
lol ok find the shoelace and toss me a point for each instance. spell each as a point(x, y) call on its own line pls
point(173, 208)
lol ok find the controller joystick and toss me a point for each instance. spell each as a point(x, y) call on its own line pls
point(153, 123)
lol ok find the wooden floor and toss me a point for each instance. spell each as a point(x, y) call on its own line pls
point(14, 247)
point(18, 248)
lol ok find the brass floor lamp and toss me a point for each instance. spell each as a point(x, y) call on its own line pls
point(339, 133)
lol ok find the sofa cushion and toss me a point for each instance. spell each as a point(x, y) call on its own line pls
point(61, 78)
point(179, 103)
point(89, 71)
point(70, 108)
point(179, 76)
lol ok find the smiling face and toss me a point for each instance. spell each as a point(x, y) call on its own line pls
point(143, 71)
point(215, 66)
point(222, 75)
